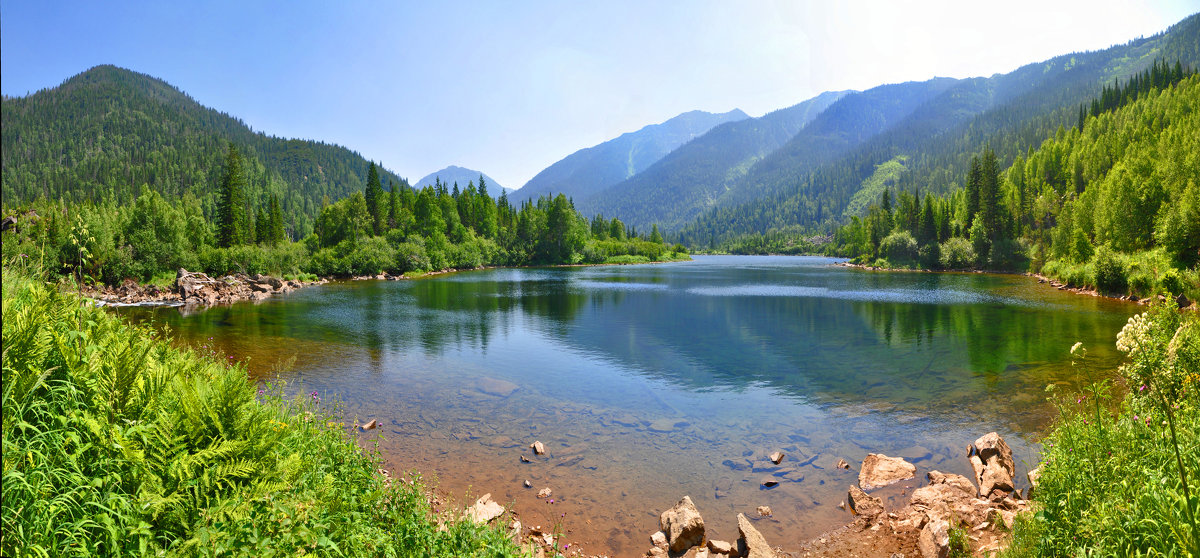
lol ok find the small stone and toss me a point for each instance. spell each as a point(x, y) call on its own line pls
point(528, 484)
point(841, 464)
point(659, 540)
point(755, 544)
point(544, 493)
point(934, 540)
point(538, 448)
point(764, 511)
point(777, 457)
point(369, 425)
point(863, 504)
point(720, 547)
point(525, 459)
point(484, 510)
point(770, 482)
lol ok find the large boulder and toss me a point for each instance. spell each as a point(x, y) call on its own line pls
point(992, 461)
point(880, 470)
point(752, 544)
point(683, 525)
point(949, 495)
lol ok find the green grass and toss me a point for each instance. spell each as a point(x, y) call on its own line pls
point(117, 443)
point(1114, 468)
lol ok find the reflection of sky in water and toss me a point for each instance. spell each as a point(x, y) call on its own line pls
point(939, 296)
point(751, 353)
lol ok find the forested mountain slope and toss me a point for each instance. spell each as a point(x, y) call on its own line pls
point(680, 185)
point(107, 132)
point(592, 169)
point(1010, 112)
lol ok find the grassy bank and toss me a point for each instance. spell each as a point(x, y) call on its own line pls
point(1120, 475)
point(115, 442)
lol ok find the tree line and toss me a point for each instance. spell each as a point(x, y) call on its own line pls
point(397, 230)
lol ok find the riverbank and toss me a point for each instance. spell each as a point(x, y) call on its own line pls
point(1182, 301)
point(117, 442)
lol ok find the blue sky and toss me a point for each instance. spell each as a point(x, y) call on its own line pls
point(510, 87)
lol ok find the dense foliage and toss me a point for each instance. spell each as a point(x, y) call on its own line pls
point(396, 231)
point(117, 443)
point(1114, 205)
point(1126, 484)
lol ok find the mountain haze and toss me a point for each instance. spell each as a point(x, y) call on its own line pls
point(680, 185)
point(1011, 112)
point(592, 169)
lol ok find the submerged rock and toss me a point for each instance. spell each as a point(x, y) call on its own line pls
point(764, 511)
point(777, 457)
point(880, 470)
point(499, 388)
point(538, 448)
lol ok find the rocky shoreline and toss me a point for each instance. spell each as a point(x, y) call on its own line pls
point(194, 289)
point(983, 508)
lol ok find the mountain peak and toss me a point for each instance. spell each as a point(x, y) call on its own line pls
point(460, 175)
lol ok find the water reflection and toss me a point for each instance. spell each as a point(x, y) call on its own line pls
point(682, 376)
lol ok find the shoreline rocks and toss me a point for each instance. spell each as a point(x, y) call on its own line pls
point(195, 289)
point(879, 470)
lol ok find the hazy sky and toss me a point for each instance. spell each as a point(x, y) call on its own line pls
point(510, 87)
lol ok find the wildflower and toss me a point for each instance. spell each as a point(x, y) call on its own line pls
point(1141, 389)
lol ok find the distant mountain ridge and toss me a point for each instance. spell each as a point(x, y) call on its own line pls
point(686, 181)
point(462, 176)
point(589, 170)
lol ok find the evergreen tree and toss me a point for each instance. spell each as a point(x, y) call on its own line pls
point(655, 236)
point(374, 199)
point(231, 213)
point(275, 215)
point(974, 176)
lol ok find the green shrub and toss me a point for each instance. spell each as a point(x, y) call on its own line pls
point(931, 256)
point(1171, 282)
point(957, 253)
point(1111, 274)
point(899, 248)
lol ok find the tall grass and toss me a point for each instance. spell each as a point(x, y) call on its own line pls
point(117, 443)
point(1124, 483)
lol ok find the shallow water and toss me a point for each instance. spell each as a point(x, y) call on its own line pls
point(648, 383)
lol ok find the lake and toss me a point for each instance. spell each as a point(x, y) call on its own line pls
point(650, 382)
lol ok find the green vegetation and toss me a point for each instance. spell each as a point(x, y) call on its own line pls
point(810, 181)
point(1125, 484)
point(1113, 206)
point(116, 443)
point(371, 232)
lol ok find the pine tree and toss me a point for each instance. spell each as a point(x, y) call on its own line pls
point(374, 197)
point(655, 236)
point(231, 220)
point(277, 234)
point(973, 178)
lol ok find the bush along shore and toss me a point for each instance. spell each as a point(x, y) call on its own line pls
point(116, 442)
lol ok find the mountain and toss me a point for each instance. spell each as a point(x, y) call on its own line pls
point(108, 132)
point(453, 174)
point(1011, 112)
point(681, 184)
point(592, 169)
